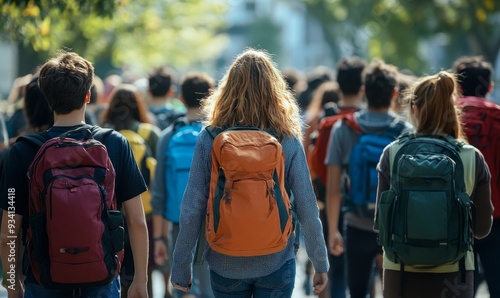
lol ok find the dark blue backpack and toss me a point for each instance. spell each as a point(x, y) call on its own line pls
point(363, 161)
point(178, 158)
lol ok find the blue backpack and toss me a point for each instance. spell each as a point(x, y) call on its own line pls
point(178, 158)
point(363, 161)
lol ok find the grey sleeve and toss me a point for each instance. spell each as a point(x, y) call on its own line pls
point(384, 179)
point(306, 206)
point(341, 141)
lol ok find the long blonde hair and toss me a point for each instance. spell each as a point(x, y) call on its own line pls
point(435, 98)
point(254, 93)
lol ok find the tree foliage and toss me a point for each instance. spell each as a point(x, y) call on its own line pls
point(398, 30)
point(141, 33)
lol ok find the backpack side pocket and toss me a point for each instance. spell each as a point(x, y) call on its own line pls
point(116, 230)
point(384, 217)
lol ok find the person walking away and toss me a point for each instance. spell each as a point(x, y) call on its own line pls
point(250, 111)
point(429, 183)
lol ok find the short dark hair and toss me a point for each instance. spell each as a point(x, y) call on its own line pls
point(349, 71)
point(160, 81)
point(196, 86)
point(379, 79)
point(474, 75)
point(65, 81)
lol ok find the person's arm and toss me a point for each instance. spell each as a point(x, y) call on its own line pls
point(10, 253)
point(138, 233)
point(158, 201)
point(384, 181)
point(306, 208)
point(160, 237)
point(333, 204)
point(481, 196)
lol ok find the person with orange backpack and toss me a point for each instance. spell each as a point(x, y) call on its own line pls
point(68, 208)
point(481, 118)
point(248, 163)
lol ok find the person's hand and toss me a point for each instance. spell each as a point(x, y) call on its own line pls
point(320, 280)
point(336, 244)
point(161, 254)
point(137, 290)
point(181, 288)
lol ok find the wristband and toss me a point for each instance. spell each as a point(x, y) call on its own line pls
point(159, 238)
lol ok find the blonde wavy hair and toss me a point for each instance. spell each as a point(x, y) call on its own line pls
point(254, 93)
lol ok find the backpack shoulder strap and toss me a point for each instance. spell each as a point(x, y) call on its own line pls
point(37, 139)
point(144, 130)
point(214, 131)
point(99, 133)
point(178, 123)
point(351, 121)
point(395, 128)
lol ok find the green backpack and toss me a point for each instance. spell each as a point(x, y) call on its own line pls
point(426, 216)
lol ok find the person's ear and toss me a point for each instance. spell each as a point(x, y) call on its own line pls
point(395, 92)
point(87, 97)
point(491, 86)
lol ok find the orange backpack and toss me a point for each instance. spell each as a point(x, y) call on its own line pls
point(249, 211)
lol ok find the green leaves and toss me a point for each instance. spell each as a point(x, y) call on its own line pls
point(396, 29)
point(146, 32)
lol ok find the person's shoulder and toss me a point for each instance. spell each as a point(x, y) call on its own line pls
point(109, 137)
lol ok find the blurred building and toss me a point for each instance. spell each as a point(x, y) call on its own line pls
point(8, 68)
point(281, 27)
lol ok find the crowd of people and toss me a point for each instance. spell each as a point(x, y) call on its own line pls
point(340, 132)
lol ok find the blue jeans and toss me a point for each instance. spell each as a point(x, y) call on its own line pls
point(34, 290)
point(488, 251)
point(277, 284)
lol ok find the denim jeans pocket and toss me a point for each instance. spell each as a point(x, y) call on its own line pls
point(281, 278)
point(222, 284)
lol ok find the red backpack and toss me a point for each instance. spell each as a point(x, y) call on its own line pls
point(318, 154)
point(482, 127)
point(75, 231)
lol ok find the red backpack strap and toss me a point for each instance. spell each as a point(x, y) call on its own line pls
point(351, 121)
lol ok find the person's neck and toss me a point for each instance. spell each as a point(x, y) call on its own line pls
point(350, 100)
point(73, 118)
point(378, 110)
point(158, 101)
point(193, 114)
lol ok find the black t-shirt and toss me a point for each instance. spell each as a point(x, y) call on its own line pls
point(129, 182)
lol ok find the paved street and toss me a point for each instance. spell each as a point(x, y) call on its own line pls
point(298, 293)
point(299, 290)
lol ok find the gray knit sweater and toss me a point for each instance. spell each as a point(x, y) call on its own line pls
point(193, 212)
